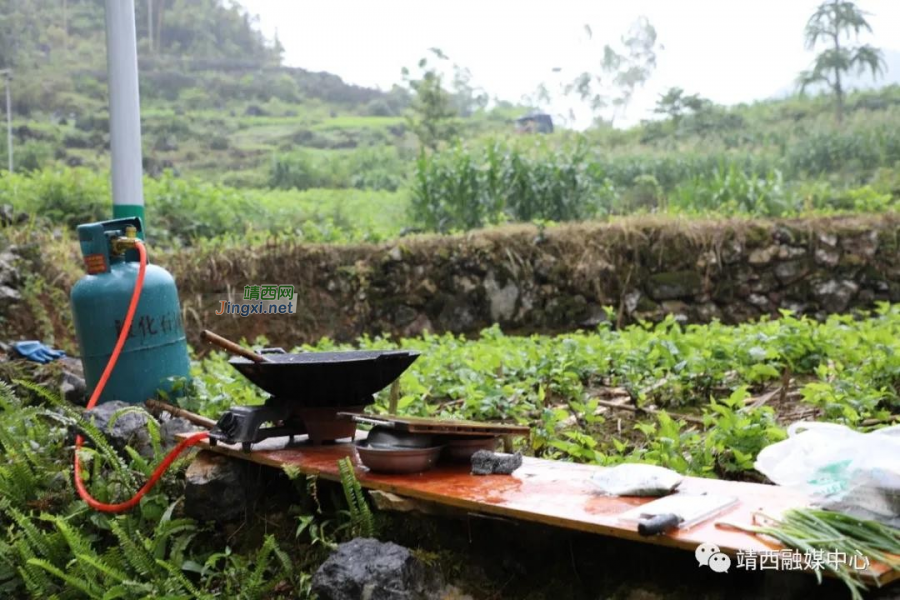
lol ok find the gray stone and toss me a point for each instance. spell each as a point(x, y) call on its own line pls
point(798, 308)
point(456, 315)
point(404, 315)
point(790, 252)
point(732, 251)
point(420, 325)
point(631, 300)
point(8, 296)
point(828, 239)
point(676, 308)
point(9, 216)
point(366, 569)
point(739, 312)
point(395, 254)
point(544, 267)
point(485, 462)
point(791, 271)
point(526, 304)
point(862, 247)
point(759, 301)
point(784, 235)
point(866, 297)
point(835, 295)
point(124, 425)
point(827, 257)
point(466, 284)
point(502, 299)
point(216, 487)
point(764, 283)
point(170, 428)
point(707, 311)
point(72, 389)
point(9, 274)
point(707, 259)
point(674, 285)
point(596, 315)
point(763, 256)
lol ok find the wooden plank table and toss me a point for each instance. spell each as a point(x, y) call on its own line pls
point(548, 492)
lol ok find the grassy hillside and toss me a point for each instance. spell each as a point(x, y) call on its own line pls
point(242, 136)
point(216, 99)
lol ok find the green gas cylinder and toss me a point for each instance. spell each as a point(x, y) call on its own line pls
point(155, 354)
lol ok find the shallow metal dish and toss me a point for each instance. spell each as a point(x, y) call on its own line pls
point(397, 460)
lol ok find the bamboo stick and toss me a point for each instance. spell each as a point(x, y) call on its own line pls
point(180, 412)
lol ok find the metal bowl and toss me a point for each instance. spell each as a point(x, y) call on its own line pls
point(397, 460)
point(462, 449)
point(385, 438)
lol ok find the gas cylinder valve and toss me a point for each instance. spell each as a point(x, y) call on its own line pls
point(127, 242)
point(120, 244)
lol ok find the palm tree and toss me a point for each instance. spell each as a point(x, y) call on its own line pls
point(832, 21)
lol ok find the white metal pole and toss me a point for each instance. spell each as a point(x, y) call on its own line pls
point(124, 109)
point(9, 144)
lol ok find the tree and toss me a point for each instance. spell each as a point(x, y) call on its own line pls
point(627, 68)
point(832, 21)
point(434, 115)
point(675, 104)
point(467, 98)
point(633, 66)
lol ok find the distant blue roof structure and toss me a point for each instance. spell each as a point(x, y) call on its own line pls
point(535, 123)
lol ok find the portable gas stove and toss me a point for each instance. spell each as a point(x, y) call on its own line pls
point(308, 390)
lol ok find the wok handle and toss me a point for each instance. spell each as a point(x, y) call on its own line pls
point(658, 524)
point(230, 346)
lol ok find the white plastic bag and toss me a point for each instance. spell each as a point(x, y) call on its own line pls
point(841, 469)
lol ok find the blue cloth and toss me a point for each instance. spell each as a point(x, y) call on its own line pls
point(37, 352)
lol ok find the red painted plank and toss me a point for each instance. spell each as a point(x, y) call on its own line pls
point(550, 492)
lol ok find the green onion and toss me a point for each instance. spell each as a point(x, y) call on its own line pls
point(808, 530)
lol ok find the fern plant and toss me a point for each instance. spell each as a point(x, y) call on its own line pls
point(362, 522)
point(54, 547)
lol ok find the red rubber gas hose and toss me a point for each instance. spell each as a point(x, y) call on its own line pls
point(170, 458)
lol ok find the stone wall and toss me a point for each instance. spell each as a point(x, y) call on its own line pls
point(521, 277)
point(528, 279)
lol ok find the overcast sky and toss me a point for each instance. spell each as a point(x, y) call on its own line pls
point(727, 50)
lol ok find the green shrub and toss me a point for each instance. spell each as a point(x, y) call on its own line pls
point(182, 210)
point(65, 196)
point(363, 168)
point(463, 188)
point(855, 152)
point(32, 155)
point(734, 191)
point(187, 209)
point(295, 171)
